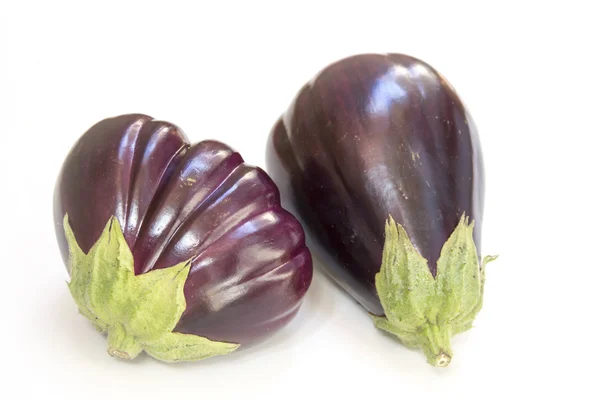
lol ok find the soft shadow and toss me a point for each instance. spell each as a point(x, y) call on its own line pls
point(413, 361)
point(81, 336)
point(76, 334)
point(316, 307)
point(333, 285)
point(73, 328)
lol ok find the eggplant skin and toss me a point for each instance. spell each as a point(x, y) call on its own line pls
point(175, 201)
point(373, 136)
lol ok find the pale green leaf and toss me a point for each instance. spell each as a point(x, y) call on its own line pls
point(160, 301)
point(464, 321)
point(112, 276)
point(174, 347)
point(407, 337)
point(420, 310)
point(81, 273)
point(404, 283)
point(458, 280)
point(139, 312)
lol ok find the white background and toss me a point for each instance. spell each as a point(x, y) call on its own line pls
point(529, 73)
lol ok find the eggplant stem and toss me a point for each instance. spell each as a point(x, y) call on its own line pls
point(121, 344)
point(435, 342)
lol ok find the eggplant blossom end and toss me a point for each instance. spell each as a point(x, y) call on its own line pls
point(423, 311)
point(138, 312)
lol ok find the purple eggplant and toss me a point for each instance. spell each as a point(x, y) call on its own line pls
point(381, 162)
point(179, 250)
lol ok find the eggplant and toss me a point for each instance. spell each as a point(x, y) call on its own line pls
point(182, 251)
point(381, 161)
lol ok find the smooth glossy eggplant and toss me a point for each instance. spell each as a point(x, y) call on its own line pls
point(180, 250)
point(375, 139)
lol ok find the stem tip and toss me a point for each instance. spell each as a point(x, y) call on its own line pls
point(442, 360)
point(118, 353)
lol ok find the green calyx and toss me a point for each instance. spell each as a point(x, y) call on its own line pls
point(139, 312)
point(423, 311)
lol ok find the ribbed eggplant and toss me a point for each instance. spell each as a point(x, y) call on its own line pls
point(179, 250)
point(381, 162)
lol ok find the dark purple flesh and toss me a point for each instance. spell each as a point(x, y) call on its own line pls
point(373, 136)
point(175, 202)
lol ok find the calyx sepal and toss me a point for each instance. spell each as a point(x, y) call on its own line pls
point(423, 311)
point(138, 312)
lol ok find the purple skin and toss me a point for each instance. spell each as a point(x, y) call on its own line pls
point(372, 136)
point(250, 265)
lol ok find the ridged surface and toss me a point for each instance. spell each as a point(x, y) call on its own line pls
point(372, 136)
point(250, 266)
